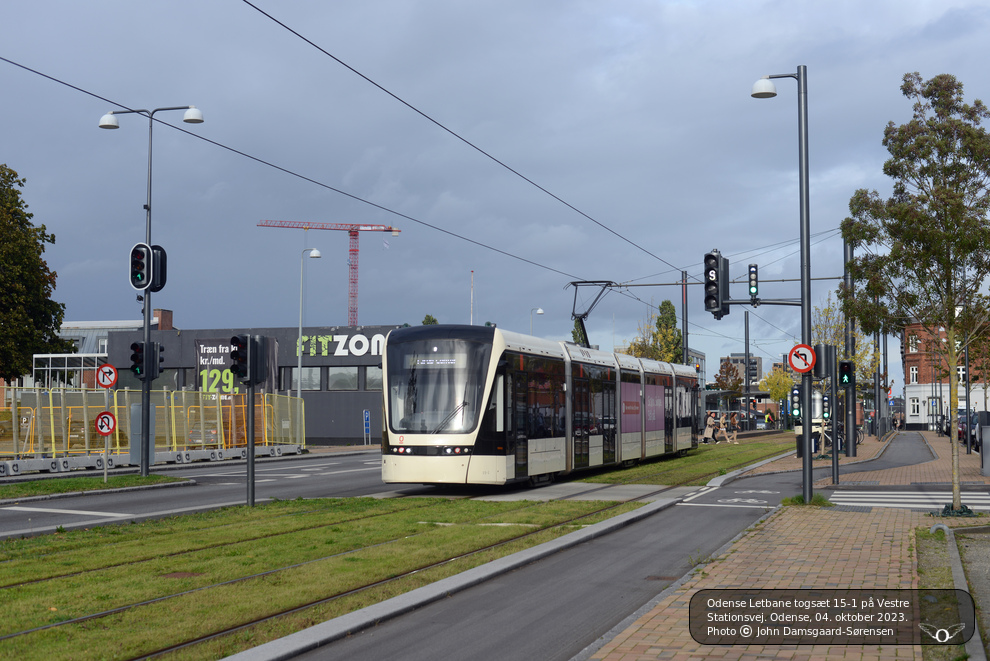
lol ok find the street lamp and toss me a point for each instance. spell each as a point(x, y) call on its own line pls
point(765, 89)
point(314, 253)
point(109, 121)
point(532, 310)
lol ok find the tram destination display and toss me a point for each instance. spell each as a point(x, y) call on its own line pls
point(437, 361)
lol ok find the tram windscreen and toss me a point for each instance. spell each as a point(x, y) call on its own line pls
point(436, 386)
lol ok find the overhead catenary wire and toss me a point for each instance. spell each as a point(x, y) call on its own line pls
point(375, 205)
point(453, 133)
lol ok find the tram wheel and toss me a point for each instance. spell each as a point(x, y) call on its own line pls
point(541, 480)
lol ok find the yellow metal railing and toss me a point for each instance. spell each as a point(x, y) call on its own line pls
point(38, 422)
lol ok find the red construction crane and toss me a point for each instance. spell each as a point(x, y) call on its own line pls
point(352, 229)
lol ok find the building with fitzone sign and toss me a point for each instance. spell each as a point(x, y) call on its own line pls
point(341, 374)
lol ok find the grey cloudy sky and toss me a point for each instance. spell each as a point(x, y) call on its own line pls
point(636, 113)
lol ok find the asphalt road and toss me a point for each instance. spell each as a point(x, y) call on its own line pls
point(216, 485)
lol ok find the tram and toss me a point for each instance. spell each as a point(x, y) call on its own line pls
point(481, 405)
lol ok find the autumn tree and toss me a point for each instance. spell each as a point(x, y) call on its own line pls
point(659, 337)
point(29, 318)
point(778, 383)
point(924, 252)
point(727, 379)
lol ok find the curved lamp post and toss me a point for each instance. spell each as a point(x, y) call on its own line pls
point(109, 121)
point(765, 89)
point(314, 253)
point(532, 310)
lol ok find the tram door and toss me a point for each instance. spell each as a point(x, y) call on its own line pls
point(581, 423)
point(518, 435)
point(668, 417)
point(608, 422)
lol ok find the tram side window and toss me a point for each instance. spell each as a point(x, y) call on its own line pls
point(684, 417)
point(537, 396)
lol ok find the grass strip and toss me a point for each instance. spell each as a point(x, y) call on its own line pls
point(74, 596)
point(61, 554)
point(216, 608)
point(935, 573)
point(697, 467)
point(48, 487)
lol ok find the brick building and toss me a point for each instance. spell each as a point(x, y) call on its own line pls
point(926, 381)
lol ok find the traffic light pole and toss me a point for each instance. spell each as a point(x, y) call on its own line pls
point(146, 383)
point(250, 444)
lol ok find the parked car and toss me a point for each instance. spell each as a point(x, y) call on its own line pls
point(965, 421)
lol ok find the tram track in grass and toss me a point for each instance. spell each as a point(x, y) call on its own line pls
point(144, 554)
point(287, 588)
point(669, 471)
point(236, 593)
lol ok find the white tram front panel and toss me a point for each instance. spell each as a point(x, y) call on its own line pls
point(437, 380)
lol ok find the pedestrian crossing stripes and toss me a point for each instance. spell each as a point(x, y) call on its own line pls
point(920, 500)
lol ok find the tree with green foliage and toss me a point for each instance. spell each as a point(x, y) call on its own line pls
point(659, 337)
point(430, 320)
point(577, 334)
point(924, 252)
point(29, 318)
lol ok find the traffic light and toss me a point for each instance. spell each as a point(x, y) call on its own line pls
point(240, 357)
point(826, 407)
point(137, 359)
point(258, 369)
point(247, 357)
point(142, 266)
point(796, 402)
point(159, 262)
point(716, 284)
point(847, 376)
point(754, 282)
point(156, 356)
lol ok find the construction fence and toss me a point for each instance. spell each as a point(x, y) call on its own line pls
point(55, 429)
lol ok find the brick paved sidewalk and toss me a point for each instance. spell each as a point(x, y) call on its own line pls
point(800, 548)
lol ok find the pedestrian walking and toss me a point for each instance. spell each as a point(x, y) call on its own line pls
point(733, 429)
point(710, 425)
point(722, 430)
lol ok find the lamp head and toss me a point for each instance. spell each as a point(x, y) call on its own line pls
point(539, 310)
point(109, 121)
point(193, 116)
point(764, 89)
point(315, 253)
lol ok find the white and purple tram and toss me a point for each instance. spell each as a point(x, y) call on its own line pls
point(480, 405)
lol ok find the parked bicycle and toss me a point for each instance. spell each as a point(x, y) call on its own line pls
point(840, 435)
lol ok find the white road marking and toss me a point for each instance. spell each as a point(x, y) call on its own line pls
point(50, 510)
